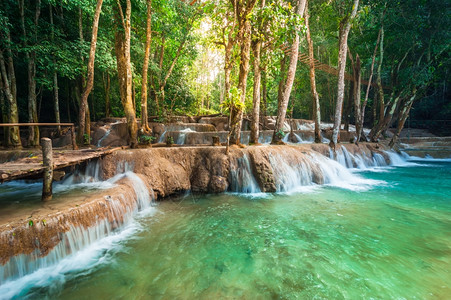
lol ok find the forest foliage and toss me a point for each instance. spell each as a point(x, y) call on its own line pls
point(221, 56)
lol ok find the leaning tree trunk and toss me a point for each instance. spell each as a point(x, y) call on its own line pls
point(345, 27)
point(402, 120)
point(315, 97)
point(122, 47)
point(362, 117)
point(379, 125)
point(294, 54)
point(90, 78)
point(144, 114)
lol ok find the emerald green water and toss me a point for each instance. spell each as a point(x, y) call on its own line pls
point(390, 241)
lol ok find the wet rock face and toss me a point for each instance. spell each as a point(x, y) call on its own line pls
point(263, 171)
point(173, 170)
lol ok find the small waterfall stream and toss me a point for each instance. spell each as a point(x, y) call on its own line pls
point(242, 178)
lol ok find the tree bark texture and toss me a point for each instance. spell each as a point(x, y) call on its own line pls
point(56, 106)
point(402, 120)
point(356, 92)
point(255, 124)
point(315, 97)
point(90, 76)
point(345, 27)
point(243, 10)
point(13, 114)
point(294, 54)
point(122, 47)
point(144, 114)
point(33, 138)
point(362, 117)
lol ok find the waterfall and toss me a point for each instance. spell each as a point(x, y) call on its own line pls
point(289, 177)
point(182, 136)
point(241, 178)
point(107, 133)
point(92, 173)
point(118, 213)
point(161, 140)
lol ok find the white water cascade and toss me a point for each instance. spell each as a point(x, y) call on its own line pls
point(241, 178)
point(293, 172)
point(182, 136)
point(31, 268)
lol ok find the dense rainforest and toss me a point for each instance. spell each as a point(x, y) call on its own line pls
point(369, 63)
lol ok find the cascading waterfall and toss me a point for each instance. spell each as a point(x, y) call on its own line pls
point(242, 179)
point(291, 173)
point(122, 212)
point(92, 173)
point(161, 139)
point(107, 133)
point(181, 138)
point(289, 177)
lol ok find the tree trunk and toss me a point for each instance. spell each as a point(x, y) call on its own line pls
point(294, 54)
point(381, 90)
point(144, 115)
point(14, 133)
point(264, 94)
point(362, 117)
point(122, 47)
point(402, 120)
point(357, 85)
point(33, 138)
point(345, 27)
point(107, 87)
point(55, 76)
point(237, 112)
point(255, 124)
point(347, 105)
point(90, 78)
point(315, 97)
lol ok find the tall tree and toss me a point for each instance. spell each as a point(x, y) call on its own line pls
point(124, 71)
point(55, 74)
point(33, 138)
point(90, 76)
point(256, 51)
point(285, 96)
point(365, 101)
point(8, 84)
point(242, 10)
point(315, 97)
point(144, 116)
point(345, 27)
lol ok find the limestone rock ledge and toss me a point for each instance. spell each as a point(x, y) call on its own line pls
point(165, 172)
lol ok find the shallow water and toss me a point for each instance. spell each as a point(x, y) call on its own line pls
point(390, 240)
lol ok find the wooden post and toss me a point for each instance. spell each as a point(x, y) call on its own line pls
point(47, 160)
point(74, 143)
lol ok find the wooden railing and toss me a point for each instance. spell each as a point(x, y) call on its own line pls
point(71, 125)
